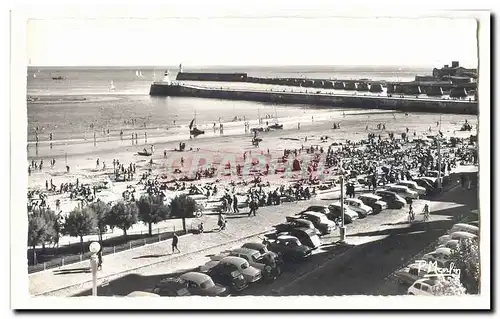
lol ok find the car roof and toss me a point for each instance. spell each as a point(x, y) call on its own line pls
point(407, 182)
point(233, 260)
point(245, 250)
point(287, 237)
point(316, 214)
point(254, 245)
point(142, 294)
point(354, 200)
point(373, 196)
point(443, 250)
point(466, 226)
point(195, 276)
point(463, 233)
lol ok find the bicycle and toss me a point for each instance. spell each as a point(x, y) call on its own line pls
point(426, 217)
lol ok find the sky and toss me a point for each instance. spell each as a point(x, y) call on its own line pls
point(254, 42)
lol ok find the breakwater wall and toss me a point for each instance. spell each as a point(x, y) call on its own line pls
point(431, 88)
point(404, 104)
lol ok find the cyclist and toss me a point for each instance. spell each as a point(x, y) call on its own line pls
point(426, 212)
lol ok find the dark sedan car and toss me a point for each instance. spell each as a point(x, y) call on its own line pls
point(290, 248)
point(228, 275)
point(191, 283)
point(293, 223)
point(393, 200)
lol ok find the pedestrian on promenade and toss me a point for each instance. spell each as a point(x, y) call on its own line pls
point(175, 242)
point(235, 204)
point(462, 180)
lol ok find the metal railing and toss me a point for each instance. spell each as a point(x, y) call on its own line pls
point(158, 235)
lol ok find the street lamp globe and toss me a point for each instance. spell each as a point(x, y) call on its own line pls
point(94, 247)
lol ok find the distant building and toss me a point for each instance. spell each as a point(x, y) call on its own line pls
point(454, 71)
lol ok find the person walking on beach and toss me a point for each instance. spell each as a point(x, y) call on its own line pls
point(175, 242)
point(97, 163)
point(298, 126)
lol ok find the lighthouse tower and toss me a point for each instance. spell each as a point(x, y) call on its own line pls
point(166, 78)
point(180, 68)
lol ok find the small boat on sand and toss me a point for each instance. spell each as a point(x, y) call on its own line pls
point(144, 153)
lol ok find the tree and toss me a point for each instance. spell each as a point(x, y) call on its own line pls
point(151, 210)
point(80, 222)
point(466, 258)
point(183, 206)
point(101, 211)
point(448, 286)
point(40, 228)
point(123, 215)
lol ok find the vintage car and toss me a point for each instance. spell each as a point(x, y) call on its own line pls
point(393, 200)
point(429, 186)
point(402, 191)
point(262, 249)
point(441, 256)
point(374, 201)
point(335, 213)
point(408, 275)
point(251, 274)
point(295, 223)
point(290, 248)
point(306, 236)
point(422, 287)
point(459, 235)
point(319, 220)
point(412, 185)
point(229, 276)
point(359, 207)
point(191, 283)
point(266, 264)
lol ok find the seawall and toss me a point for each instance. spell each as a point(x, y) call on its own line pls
point(404, 104)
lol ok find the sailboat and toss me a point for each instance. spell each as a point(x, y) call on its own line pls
point(193, 130)
point(112, 86)
point(276, 125)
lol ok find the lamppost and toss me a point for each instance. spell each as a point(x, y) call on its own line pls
point(342, 225)
point(94, 248)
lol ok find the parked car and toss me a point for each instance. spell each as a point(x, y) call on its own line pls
point(316, 208)
point(191, 283)
point(459, 235)
point(441, 256)
point(422, 287)
point(290, 248)
point(262, 249)
point(412, 185)
point(408, 275)
point(306, 236)
point(474, 223)
point(392, 199)
point(251, 274)
point(295, 223)
point(465, 228)
point(320, 221)
point(403, 191)
point(335, 213)
point(142, 294)
point(374, 201)
point(228, 275)
point(425, 183)
point(268, 267)
point(445, 177)
point(359, 207)
point(452, 244)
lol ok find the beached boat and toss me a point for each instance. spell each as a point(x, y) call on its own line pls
point(144, 153)
point(276, 126)
point(57, 78)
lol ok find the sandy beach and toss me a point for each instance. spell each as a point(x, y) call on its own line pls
point(81, 157)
